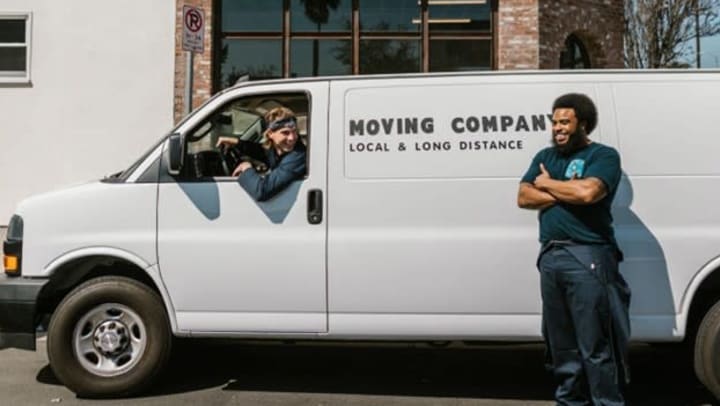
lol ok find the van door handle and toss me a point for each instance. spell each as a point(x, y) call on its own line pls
point(315, 206)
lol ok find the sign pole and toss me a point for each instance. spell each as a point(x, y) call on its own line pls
point(193, 41)
point(188, 82)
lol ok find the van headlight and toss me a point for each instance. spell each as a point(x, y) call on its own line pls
point(12, 247)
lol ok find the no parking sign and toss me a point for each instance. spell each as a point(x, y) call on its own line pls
point(193, 29)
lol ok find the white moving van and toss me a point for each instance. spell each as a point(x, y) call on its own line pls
point(405, 227)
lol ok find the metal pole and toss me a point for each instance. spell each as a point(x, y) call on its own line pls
point(188, 83)
point(697, 33)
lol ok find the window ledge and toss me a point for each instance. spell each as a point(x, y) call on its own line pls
point(14, 80)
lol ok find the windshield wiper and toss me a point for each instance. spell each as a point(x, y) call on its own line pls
point(114, 175)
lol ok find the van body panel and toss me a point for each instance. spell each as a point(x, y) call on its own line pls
point(405, 228)
point(423, 241)
point(664, 121)
point(60, 223)
point(428, 226)
point(467, 327)
point(665, 238)
point(665, 217)
point(233, 264)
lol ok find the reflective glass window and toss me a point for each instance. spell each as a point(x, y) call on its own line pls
point(321, 16)
point(313, 57)
point(319, 37)
point(12, 59)
point(389, 15)
point(14, 47)
point(574, 55)
point(459, 16)
point(252, 15)
point(389, 56)
point(258, 59)
point(460, 55)
point(12, 30)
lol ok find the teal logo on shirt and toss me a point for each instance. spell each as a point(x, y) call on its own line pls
point(575, 168)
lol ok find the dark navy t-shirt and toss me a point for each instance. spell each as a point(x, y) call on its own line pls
point(591, 224)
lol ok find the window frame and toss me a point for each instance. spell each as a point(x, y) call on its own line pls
point(286, 35)
point(569, 60)
point(306, 94)
point(5, 75)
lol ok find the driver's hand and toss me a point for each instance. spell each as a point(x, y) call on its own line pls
point(224, 142)
point(242, 167)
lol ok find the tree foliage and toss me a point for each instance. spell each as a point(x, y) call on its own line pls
point(658, 32)
point(318, 11)
point(381, 55)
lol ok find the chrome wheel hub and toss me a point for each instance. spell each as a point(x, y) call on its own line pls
point(111, 337)
point(109, 340)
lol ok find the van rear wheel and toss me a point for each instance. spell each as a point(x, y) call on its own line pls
point(109, 337)
point(707, 350)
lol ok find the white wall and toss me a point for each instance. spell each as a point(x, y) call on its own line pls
point(101, 93)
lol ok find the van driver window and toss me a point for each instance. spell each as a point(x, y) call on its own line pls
point(259, 141)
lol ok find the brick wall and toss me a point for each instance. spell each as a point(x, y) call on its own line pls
point(531, 35)
point(598, 23)
point(518, 35)
point(202, 63)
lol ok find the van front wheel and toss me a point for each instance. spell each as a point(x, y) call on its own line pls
point(707, 350)
point(109, 337)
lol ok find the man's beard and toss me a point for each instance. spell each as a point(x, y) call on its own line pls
point(576, 142)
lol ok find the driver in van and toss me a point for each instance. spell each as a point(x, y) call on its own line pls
point(281, 151)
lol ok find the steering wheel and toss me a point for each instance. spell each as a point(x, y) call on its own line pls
point(229, 159)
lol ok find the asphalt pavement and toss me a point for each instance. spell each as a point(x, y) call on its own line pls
point(223, 373)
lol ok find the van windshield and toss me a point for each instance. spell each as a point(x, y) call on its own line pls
point(124, 175)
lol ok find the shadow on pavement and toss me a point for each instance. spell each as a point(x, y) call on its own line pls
point(394, 370)
point(47, 376)
point(660, 376)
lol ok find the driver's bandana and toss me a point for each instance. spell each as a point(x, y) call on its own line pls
point(290, 122)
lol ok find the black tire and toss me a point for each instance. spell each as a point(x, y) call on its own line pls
point(113, 319)
point(707, 351)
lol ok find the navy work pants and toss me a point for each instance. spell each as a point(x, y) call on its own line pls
point(585, 322)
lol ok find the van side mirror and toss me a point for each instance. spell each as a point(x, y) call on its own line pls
point(175, 154)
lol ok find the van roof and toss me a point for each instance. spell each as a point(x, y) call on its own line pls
point(578, 72)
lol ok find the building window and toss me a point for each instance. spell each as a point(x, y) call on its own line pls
point(254, 59)
point(296, 38)
point(14, 48)
point(574, 55)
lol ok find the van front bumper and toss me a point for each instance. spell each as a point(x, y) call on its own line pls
point(18, 301)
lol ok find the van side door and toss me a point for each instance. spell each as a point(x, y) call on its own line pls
point(233, 264)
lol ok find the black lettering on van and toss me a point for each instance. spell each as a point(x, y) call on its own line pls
point(411, 126)
point(522, 124)
point(490, 145)
point(373, 127)
point(489, 123)
point(538, 122)
point(427, 125)
point(369, 147)
point(433, 146)
point(387, 124)
point(357, 127)
point(472, 124)
point(505, 122)
point(457, 126)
